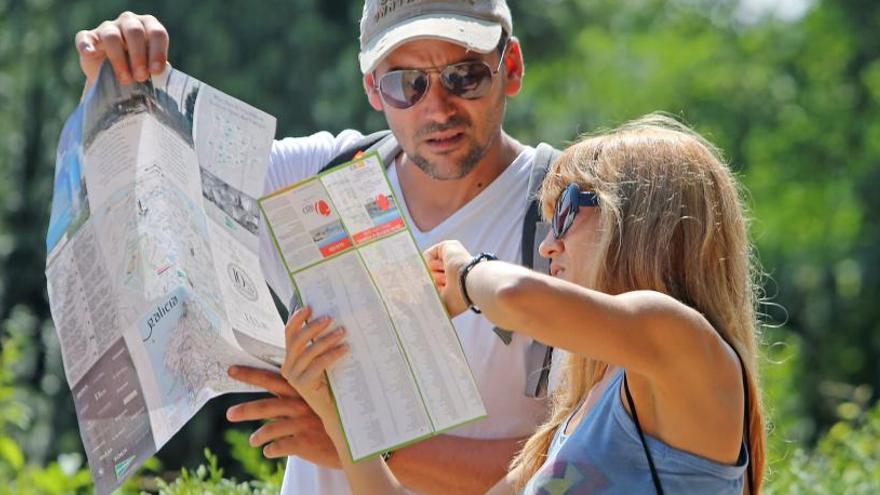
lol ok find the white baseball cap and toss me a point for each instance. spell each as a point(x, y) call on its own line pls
point(474, 24)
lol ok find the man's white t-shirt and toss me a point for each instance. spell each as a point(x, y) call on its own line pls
point(490, 222)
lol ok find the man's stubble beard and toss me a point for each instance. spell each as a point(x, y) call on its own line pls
point(465, 166)
point(475, 153)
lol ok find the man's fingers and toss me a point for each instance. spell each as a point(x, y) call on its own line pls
point(277, 430)
point(264, 409)
point(265, 379)
point(90, 58)
point(135, 41)
point(85, 43)
point(157, 41)
point(282, 447)
point(111, 42)
point(135, 45)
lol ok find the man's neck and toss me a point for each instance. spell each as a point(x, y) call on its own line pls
point(431, 201)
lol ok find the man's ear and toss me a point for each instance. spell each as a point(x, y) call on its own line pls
point(514, 67)
point(372, 93)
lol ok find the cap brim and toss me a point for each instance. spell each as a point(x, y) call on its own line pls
point(474, 34)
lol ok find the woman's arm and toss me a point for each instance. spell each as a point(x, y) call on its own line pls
point(505, 485)
point(310, 352)
point(646, 332)
point(365, 477)
point(682, 375)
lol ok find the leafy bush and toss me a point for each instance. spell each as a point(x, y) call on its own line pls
point(209, 479)
point(845, 461)
point(252, 460)
point(62, 476)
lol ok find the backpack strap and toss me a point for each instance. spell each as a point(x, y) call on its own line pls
point(539, 356)
point(382, 142)
point(534, 229)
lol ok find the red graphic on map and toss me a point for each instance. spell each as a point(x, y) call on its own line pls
point(336, 247)
point(379, 231)
point(382, 202)
point(323, 208)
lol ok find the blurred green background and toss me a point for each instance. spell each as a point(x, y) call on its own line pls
point(790, 90)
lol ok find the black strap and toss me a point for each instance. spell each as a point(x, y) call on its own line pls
point(376, 141)
point(750, 476)
point(465, 271)
point(632, 407)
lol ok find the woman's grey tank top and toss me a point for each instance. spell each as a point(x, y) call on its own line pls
point(604, 455)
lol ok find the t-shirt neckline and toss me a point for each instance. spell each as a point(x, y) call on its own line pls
point(477, 202)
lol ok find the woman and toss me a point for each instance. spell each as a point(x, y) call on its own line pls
point(650, 293)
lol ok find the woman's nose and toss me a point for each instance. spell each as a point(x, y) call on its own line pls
point(550, 246)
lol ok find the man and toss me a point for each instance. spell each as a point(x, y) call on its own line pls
point(441, 72)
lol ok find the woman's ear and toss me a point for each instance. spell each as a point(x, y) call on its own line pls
point(369, 81)
point(514, 67)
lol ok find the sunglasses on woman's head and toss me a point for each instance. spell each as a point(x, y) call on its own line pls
point(470, 80)
point(571, 199)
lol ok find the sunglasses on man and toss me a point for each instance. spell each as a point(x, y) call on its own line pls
point(470, 80)
point(567, 206)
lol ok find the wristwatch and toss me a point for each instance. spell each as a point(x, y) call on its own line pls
point(462, 278)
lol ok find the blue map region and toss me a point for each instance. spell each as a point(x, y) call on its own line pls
point(70, 206)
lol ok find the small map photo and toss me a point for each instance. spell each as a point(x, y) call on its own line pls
point(331, 238)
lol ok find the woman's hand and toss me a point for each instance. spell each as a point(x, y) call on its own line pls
point(445, 260)
point(311, 350)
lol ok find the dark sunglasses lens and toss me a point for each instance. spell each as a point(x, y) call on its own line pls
point(467, 80)
point(403, 88)
point(561, 217)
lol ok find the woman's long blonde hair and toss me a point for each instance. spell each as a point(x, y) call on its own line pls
point(672, 221)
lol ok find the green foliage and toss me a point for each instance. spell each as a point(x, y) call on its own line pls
point(209, 479)
point(63, 476)
point(845, 460)
point(251, 459)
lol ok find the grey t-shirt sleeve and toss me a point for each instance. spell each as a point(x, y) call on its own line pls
point(293, 160)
